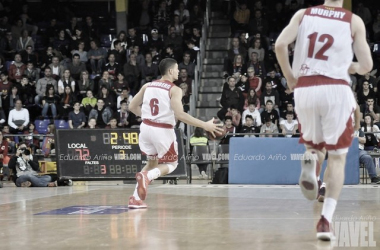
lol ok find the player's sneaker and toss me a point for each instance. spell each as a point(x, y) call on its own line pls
point(308, 179)
point(136, 204)
point(324, 230)
point(143, 182)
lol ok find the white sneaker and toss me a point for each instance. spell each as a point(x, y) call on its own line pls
point(308, 179)
point(204, 175)
point(200, 177)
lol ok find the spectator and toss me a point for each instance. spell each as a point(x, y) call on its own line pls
point(4, 158)
point(270, 112)
point(47, 57)
point(77, 119)
point(155, 41)
point(248, 127)
point(256, 47)
point(8, 47)
point(139, 57)
point(27, 91)
point(61, 43)
point(364, 13)
point(274, 80)
point(81, 51)
point(3, 67)
point(257, 65)
point(89, 29)
point(161, 19)
point(183, 78)
point(10, 100)
point(185, 97)
point(372, 139)
point(97, 57)
point(121, 38)
point(24, 41)
point(230, 96)
point(199, 139)
point(268, 128)
point(66, 81)
point(5, 85)
point(133, 39)
point(85, 83)
point(50, 101)
point(48, 144)
point(178, 26)
point(240, 18)
point(169, 52)
point(32, 141)
point(365, 158)
point(289, 108)
point(18, 118)
point(101, 113)
point(156, 57)
point(254, 113)
point(365, 93)
point(26, 170)
point(57, 70)
point(89, 102)
point(124, 115)
point(29, 56)
point(125, 96)
point(10, 139)
point(67, 102)
point(230, 128)
point(371, 109)
point(108, 97)
point(196, 16)
point(16, 70)
point(196, 36)
point(236, 66)
point(258, 24)
point(235, 115)
point(92, 123)
point(182, 13)
point(112, 124)
point(252, 98)
point(32, 73)
point(77, 38)
point(173, 40)
point(371, 81)
point(149, 71)
point(270, 94)
point(2, 118)
point(132, 73)
point(42, 83)
point(119, 52)
point(72, 27)
point(119, 84)
point(76, 67)
point(187, 64)
point(112, 67)
point(105, 81)
point(286, 97)
point(289, 126)
point(51, 31)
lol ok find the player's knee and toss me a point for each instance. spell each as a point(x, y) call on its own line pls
point(172, 166)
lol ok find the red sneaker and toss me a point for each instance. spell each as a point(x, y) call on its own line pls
point(324, 230)
point(308, 179)
point(143, 182)
point(135, 204)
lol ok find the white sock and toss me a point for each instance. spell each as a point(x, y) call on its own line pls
point(135, 194)
point(154, 174)
point(328, 209)
point(323, 185)
point(318, 178)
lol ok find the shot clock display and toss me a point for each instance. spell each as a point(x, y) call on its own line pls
point(105, 154)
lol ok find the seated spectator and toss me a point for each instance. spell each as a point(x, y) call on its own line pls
point(365, 93)
point(132, 73)
point(258, 24)
point(183, 78)
point(2, 118)
point(89, 102)
point(252, 98)
point(256, 47)
point(32, 141)
point(185, 97)
point(124, 96)
point(132, 38)
point(254, 81)
point(10, 139)
point(248, 127)
point(182, 13)
point(124, 116)
point(76, 67)
point(57, 70)
point(230, 128)
point(112, 67)
point(42, 84)
point(169, 52)
point(196, 15)
point(108, 97)
point(84, 84)
point(254, 113)
point(92, 123)
point(50, 101)
point(61, 43)
point(173, 40)
point(4, 158)
point(289, 108)
point(274, 80)
point(105, 81)
point(32, 73)
point(72, 26)
point(8, 46)
point(257, 65)
point(237, 66)
point(372, 139)
point(286, 97)
point(24, 41)
point(18, 118)
point(235, 114)
point(240, 18)
point(90, 30)
point(193, 50)
point(178, 26)
point(97, 57)
point(289, 126)
point(48, 144)
point(29, 56)
point(119, 52)
point(66, 81)
point(77, 119)
point(161, 19)
point(196, 36)
point(365, 158)
point(26, 170)
point(268, 128)
point(101, 113)
point(149, 71)
point(199, 139)
point(77, 38)
point(3, 67)
point(121, 38)
point(371, 81)
point(81, 52)
point(47, 57)
point(16, 70)
point(243, 39)
point(270, 94)
point(156, 57)
point(230, 96)
point(112, 124)
point(10, 100)
point(270, 112)
point(370, 108)
point(119, 84)
point(5, 85)
point(187, 64)
point(67, 102)
point(155, 41)
point(242, 83)
point(235, 50)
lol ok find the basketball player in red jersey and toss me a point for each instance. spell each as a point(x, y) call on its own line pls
point(326, 38)
point(158, 103)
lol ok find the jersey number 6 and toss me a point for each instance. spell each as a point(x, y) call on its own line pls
point(154, 109)
point(328, 41)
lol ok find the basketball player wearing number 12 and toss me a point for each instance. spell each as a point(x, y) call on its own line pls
point(159, 103)
point(326, 38)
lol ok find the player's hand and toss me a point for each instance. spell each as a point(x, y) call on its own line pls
point(291, 81)
point(353, 69)
point(211, 127)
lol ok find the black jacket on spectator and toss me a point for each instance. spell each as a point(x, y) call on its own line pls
point(232, 97)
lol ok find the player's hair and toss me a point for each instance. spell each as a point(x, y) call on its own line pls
point(166, 64)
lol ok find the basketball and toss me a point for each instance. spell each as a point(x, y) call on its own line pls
point(218, 135)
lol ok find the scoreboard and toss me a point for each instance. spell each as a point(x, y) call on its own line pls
point(105, 154)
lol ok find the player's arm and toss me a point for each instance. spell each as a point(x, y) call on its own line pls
point(361, 48)
point(176, 104)
point(137, 100)
point(287, 36)
point(357, 117)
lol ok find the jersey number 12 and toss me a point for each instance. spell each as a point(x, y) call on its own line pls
point(328, 41)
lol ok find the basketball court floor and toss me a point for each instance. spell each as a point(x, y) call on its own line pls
point(196, 216)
